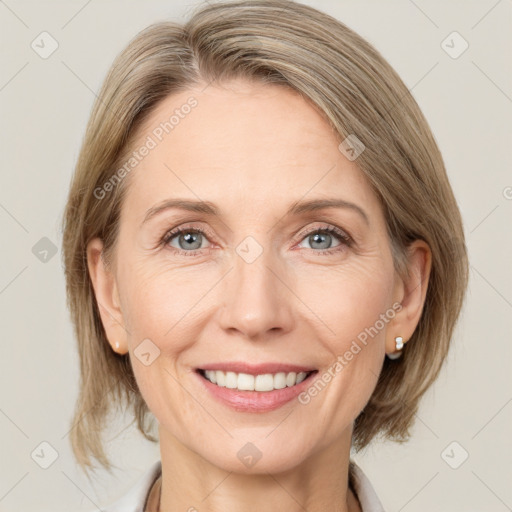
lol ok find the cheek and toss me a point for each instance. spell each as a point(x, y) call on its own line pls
point(158, 306)
point(159, 302)
point(349, 300)
point(164, 303)
point(355, 306)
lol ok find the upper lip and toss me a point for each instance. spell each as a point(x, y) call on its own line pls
point(256, 369)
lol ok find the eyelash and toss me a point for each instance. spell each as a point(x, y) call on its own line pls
point(345, 239)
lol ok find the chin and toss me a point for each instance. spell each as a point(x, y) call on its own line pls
point(259, 456)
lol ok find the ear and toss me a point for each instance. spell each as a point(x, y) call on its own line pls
point(107, 297)
point(410, 292)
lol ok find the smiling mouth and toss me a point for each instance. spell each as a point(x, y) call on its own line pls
point(263, 382)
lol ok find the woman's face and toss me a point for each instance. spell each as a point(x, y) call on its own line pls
point(254, 284)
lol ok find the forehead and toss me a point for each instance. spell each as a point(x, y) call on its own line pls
point(244, 141)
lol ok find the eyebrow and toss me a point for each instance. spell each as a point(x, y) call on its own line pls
point(296, 208)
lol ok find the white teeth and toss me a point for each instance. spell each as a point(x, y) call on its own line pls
point(212, 376)
point(301, 376)
point(246, 382)
point(291, 379)
point(221, 379)
point(280, 380)
point(264, 382)
point(231, 380)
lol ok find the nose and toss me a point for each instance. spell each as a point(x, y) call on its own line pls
point(258, 300)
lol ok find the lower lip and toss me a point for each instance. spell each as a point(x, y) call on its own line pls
point(255, 401)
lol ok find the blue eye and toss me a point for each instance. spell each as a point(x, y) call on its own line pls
point(322, 239)
point(190, 241)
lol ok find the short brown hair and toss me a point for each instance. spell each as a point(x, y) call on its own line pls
point(294, 45)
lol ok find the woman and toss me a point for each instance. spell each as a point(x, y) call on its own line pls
point(218, 156)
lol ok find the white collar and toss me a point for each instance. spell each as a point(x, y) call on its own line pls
point(135, 499)
point(364, 490)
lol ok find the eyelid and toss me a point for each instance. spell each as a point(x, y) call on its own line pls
point(190, 225)
point(173, 232)
point(331, 228)
point(344, 237)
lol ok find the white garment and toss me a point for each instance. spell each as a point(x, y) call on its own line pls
point(365, 491)
point(136, 498)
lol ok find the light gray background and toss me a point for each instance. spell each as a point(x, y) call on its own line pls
point(45, 104)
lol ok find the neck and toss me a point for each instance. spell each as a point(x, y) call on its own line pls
point(191, 483)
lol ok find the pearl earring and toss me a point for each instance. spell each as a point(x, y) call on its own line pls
point(399, 345)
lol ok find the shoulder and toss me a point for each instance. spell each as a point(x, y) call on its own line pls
point(136, 497)
point(363, 489)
